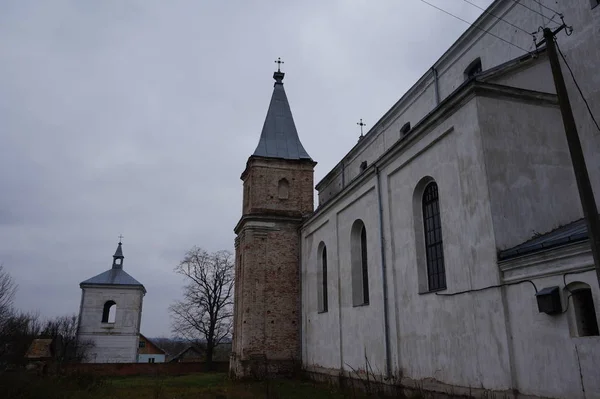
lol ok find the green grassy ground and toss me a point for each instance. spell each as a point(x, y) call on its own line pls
point(204, 385)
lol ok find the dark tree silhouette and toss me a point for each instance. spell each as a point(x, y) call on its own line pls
point(205, 312)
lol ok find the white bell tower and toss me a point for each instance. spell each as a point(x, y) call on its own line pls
point(110, 314)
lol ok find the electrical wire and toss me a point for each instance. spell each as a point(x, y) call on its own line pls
point(491, 286)
point(577, 85)
point(478, 27)
point(547, 8)
point(537, 12)
point(497, 17)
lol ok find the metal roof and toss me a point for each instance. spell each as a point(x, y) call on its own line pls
point(279, 137)
point(112, 277)
point(570, 233)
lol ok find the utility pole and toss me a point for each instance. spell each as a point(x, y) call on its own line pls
point(586, 194)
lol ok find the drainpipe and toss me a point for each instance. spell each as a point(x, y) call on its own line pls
point(386, 322)
point(436, 86)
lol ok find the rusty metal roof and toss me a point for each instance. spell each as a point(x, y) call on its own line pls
point(279, 137)
point(40, 348)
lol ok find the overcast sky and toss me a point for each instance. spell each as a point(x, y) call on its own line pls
point(137, 118)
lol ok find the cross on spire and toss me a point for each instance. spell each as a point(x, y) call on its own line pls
point(120, 238)
point(361, 124)
point(279, 62)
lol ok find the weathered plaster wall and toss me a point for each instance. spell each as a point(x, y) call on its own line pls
point(114, 342)
point(580, 49)
point(451, 339)
point(548, 359)
point(529, 171)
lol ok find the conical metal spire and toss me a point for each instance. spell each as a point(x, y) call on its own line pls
point(279, 137)
point(118, 257)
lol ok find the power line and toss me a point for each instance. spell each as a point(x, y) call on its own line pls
point(577, 85)
point(546, 7)
point(476, 26)
point(495, 16)
point(537, 12)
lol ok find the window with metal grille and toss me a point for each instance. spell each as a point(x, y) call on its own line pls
point(436, 273)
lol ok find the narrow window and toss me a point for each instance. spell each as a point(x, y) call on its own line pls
point(360, 270)
point(365, 272)
point(283, 189)
point(110, 312)
point(473, 69)
point(322, 278)
point(585, 313)
point(434, 251)
point(363, 166)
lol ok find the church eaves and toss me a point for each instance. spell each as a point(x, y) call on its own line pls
point(279, 137)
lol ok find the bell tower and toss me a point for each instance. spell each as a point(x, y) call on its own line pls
point(278, 196)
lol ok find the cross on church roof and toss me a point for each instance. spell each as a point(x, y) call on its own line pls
point(361, 124)
point(279, 62)
point(120, 238)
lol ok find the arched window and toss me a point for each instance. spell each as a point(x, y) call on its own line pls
point(322, 278)
point(284, 189)
point(360, 270)
point(434, 249)
point(473, 69)
point(109, 313)
point(585, 322)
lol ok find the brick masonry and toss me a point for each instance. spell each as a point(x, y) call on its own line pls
point(267, 298)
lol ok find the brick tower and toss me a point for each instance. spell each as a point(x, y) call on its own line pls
point(278, 195)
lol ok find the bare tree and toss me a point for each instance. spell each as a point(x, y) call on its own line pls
point(205, 312)
point(8, 288)
point(64, 329)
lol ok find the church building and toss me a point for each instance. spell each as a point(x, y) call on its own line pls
point(448, 252)
point(110, 314)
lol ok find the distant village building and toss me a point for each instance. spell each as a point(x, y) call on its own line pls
point(110, 314)
point(191, 354)
point(448, 251)
point(148, 352)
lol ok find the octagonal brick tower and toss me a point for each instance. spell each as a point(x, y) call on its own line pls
point(278, 196)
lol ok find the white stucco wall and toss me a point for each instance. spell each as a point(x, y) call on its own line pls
point(478, 155)
point(580, 49)
point(504, 173)
point(113, 342)
point(548, 358)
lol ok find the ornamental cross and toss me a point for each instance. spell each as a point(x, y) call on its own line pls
point(361, 124)
point(279, 62)
point(120, 238)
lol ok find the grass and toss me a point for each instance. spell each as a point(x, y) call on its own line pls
point(202, 385)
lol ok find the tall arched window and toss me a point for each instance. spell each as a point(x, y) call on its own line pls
point(434, 250)
point(284, 189)
point(360, 270)
point(322, 278)
point(109, 313)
